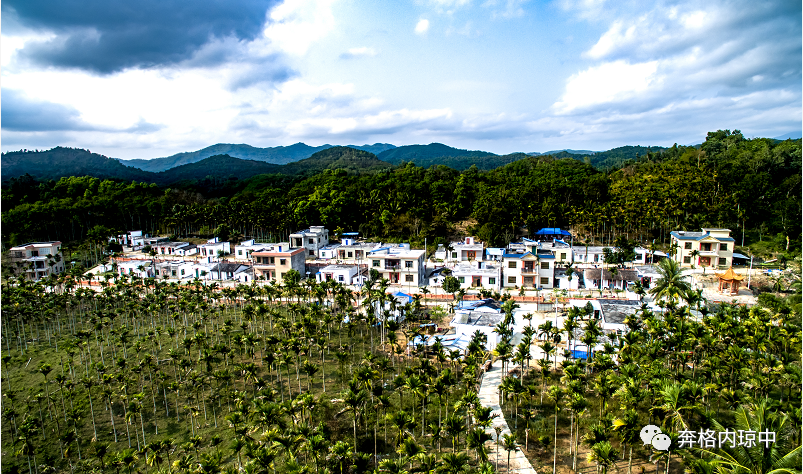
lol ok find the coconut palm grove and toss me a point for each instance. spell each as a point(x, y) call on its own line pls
point(149, 376)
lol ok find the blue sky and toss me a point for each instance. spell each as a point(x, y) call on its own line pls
point(148, 78)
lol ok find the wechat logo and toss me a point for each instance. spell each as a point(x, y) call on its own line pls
point(651, 434)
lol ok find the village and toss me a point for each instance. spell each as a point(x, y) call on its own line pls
point(545, 275)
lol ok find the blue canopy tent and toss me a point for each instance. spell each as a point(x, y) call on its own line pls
point(553, 232)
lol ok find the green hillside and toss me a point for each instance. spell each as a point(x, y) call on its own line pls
point(220, 166)
point(61, 161)
point(349, 159)
point(277, 155)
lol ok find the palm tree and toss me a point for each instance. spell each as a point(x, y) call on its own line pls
point(603, 455)
point(670, 286)
point(476, 441)
point(765, 457)
point(453, 463)
point(629, 429)
point(510, 445)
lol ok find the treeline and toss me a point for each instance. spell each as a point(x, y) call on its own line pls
point(728, 182)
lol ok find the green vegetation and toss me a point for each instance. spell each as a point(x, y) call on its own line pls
point(735, 369)
point(161, 377)
point(750, 186)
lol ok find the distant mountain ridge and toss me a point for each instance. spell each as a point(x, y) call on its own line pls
point(60, 162)
point(279, 155)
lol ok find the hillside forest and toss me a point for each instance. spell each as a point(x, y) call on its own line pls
point(750, 186)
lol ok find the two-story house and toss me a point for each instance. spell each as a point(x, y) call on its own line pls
point(712, 247)
point(311, 240)
point(528, 270)
point(466, 250)
point(352, 250)
point(37, 260)
point(272, 263)
point(400, 265)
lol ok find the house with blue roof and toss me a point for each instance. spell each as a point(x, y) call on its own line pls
point(526, 269)
point(713, 247)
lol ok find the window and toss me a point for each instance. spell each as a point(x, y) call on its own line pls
point(408, 278)
point(182, 272)
point(563, 255)
point(705, 247)
point(544, 280)
point(282, 261)
point(461, 279)
point(544, 265)
point(375, 263)
point(686, 259)
point(723, 247)
point(311, 252)
point(454, 254)
point(511, 264)
point(311, 241)
point(340, 278)
point(492, 281)
point(723, 261)
point(511, 279)
point(687, 246)
point(408, 264)
point(173, 273)
point(281, 276)
point(239, 252)
point(349, 254)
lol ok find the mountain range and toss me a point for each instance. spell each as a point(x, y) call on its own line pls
point(241, 161)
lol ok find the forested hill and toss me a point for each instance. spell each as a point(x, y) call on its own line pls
point(279, 155)
point(729, 181)
point(222, 167)
point(351, 160)
point(61, 161)
point(440, 154)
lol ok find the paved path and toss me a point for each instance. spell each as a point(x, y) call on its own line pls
point(489, 396)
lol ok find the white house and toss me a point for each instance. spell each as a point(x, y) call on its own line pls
point(242, 251)
point(139, 268)
point(566, 283)
point(398, 264)
point(328, 252)
point(311, 239)
point(528, 270)
point(187, 250)
point(226, 271)
point(605, 279)
point(344, 274)
point(351, 250)
point(712, 247)
point(479, 275)
point(213, 248)
point(35, 258)
point(645, 257)
point(590, 256)
point(169, 248)
point(466, 250)
point(483, 316)
point(134, 238)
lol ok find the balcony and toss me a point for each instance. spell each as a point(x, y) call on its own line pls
point(392, 267)
point(529, 271)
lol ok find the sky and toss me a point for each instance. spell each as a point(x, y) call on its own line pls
point(150, 78)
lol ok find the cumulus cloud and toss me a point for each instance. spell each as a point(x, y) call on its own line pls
point(23, 114)
point(106, 37)
point(358, 53)
point(689, 56)
point(296, 24)
point(422, 26)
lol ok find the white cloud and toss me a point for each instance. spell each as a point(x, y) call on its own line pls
point(296, 24)
point(447, 6)
point(613, 81)
point(505, 8)
point(363, 51)
point(422, 26)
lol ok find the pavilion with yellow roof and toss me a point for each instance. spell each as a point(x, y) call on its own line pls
point(729, 282)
